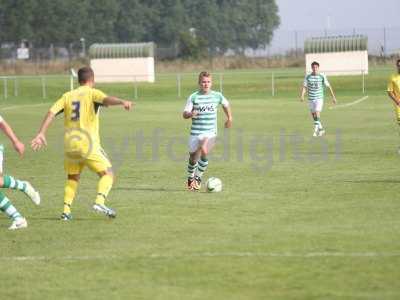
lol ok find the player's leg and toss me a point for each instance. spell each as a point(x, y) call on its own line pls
point(397, 111)
point(98, 162)
point(5, 204)
point(318, 110)
point(206, 146)
point(317, 123)
point(73, 170)
point(71, 186)
point(321, 130)
point(103, 189)
point(312, 105)
point(9, 182)
point(193, 165)
point(194, 155)
point(192, 168)
point(7, 208)
point(315, 109)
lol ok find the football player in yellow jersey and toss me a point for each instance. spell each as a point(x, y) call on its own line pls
point(82, 146)
point(393, 91)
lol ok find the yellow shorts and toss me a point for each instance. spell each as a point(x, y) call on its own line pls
point(97, 161)
point(397, 112)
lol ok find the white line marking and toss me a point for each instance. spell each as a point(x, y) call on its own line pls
point(284, 254)
point(23, 106)
point(206, 254)
point(350, 104)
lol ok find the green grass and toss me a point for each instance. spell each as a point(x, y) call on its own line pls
point(293, 222)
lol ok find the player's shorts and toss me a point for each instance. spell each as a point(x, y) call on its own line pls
point(196, 141)
point(397, 111)
point(1, 158)
point(97, 161)
point(316, 105)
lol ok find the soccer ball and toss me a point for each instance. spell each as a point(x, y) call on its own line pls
point(214, 185)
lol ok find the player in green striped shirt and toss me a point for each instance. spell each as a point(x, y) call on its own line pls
point(9, 182)
point(202, 108)
point(314, 84)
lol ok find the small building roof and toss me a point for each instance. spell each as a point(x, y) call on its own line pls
point(336, 44)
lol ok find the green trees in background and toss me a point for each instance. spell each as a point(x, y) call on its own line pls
point(195, 27)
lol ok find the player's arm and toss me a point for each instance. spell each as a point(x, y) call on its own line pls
point(328, 85)
point(189, 114)
point(104, 100)
point(333, 95)
point(303, 89)
point(18, 145)
point(188, 111)
point(394, 98)
point(391, 94)
point(40, 139)
point(113, 101)
point(303, 93)
point(228, 112)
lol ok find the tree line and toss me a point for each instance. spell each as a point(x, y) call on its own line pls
point(194, 27)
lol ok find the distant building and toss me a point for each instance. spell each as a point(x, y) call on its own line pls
point(122, 62)
point(339, 55)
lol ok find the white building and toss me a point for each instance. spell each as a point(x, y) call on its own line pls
point(122, 62)
point(341, 55)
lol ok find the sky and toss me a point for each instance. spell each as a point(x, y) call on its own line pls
point(338, 14)
point(302, 19)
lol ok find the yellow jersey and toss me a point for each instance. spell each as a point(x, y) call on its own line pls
point(81, 118)
point(394, 85)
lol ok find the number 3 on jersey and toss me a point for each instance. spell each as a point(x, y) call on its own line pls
point(76, 106)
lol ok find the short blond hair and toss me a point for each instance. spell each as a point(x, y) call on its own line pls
point(204, 74)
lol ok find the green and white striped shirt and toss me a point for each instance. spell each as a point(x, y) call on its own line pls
point(207, 107)
point(315, 85)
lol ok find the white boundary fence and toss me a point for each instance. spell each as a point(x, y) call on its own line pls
point(11, 86)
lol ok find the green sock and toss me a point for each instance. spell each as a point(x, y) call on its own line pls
point(10, 182)
point(8, 208)
point(203, 163)
point(191, 169)
point(317, 122)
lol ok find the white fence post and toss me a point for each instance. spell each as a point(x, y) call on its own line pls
point(363, 82)
point(221, 82)
point(71, 82)
point(5, 87)
point(15, 87)
point(135, 87)
point(44, 87)
point(273, 84)
point(178, 78)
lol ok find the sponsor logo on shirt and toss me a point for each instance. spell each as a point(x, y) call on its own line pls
point(210, 108)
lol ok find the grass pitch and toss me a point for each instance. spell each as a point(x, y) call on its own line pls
point(299, 218)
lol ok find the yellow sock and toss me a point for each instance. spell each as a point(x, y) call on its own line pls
point(103, 188)
point(69, 194)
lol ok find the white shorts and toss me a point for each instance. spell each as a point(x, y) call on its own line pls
point(195, 141)
point(316, 105)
